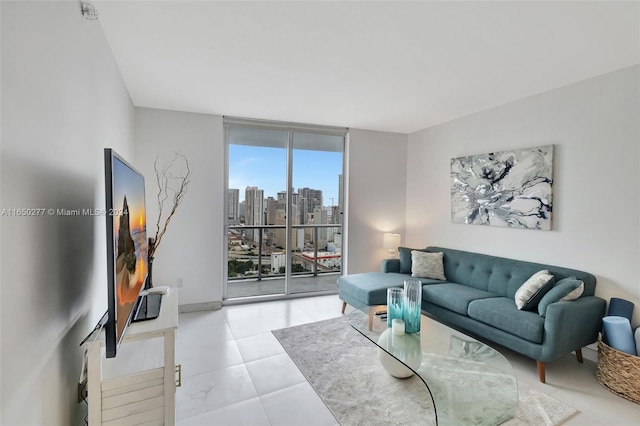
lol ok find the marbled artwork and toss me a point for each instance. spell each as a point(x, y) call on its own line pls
point(508, 188)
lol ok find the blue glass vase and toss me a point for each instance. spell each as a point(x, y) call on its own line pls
point(395, 303)
point(412, 305)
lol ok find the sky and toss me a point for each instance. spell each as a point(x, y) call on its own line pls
point(266, 168)
point(128, 183)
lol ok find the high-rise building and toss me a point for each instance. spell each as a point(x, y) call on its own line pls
point(270, 219)
point(234, 206)
point(242, 211)
point(272, 206)
point(254, 215)
point(320, 217)
point(281, 234)
point(309, 200)
point(335, 214)
point(282, 200)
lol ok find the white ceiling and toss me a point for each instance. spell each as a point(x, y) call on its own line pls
point(394, 66)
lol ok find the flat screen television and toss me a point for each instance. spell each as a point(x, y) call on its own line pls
point(127, 246)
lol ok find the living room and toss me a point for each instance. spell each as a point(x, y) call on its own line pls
point(65, 97)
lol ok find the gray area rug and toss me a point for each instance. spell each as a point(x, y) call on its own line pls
point(343, 368)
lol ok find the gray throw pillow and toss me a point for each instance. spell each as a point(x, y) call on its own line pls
point(427, 265)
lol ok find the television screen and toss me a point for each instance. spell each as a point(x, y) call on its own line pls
point(127, 262)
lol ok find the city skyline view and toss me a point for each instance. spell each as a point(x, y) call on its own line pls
point(265, 168)
point(264, 237)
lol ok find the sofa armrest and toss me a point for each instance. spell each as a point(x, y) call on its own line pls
point(390, 265)
point(571, 325)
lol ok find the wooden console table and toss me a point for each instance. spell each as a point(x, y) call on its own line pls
point(142, 397)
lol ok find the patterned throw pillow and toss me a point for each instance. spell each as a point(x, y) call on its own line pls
point(532, 290)
point(427, 265)
point(566, 289)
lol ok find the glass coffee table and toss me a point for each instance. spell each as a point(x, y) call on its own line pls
point(469, 382)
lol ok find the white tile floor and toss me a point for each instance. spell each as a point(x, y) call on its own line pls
point(236, 373)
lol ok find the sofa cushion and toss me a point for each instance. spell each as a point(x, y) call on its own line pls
point(390, 265)
point(455, 297)
point(427, 265)
point(502, 313)
point(404, 253)
point(566, 289)
point(370, 288)
point(532, 290)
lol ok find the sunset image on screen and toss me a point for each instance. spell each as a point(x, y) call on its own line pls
point(130, 235)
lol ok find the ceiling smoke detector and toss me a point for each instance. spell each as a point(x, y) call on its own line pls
point(89, 11)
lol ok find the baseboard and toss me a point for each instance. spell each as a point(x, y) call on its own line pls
point(198, 307)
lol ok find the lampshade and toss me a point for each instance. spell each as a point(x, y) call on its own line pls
point(390, 241)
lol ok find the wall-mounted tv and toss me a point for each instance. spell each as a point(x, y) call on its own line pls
point(127, 244)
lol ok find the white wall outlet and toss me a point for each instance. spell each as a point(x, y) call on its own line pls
point(179, 283)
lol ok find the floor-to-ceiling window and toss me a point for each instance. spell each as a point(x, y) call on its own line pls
point(284, 208)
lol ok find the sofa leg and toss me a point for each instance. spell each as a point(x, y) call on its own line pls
point(579, 355)
point(372, 313)
point(541, 374)
point(344, 306)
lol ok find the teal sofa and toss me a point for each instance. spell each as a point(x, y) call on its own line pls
point(478, 298)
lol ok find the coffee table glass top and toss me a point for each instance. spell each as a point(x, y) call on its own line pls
point(470, 383)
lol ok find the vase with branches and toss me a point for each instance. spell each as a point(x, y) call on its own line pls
point(172, 189)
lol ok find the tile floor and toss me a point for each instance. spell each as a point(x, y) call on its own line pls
point(236, 373)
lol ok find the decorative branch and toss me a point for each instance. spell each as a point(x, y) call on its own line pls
point(164, 178)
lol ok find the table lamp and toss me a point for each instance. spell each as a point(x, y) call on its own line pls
point(391, 242)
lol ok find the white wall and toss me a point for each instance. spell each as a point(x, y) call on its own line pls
point(63, 101)
point(192, 248)
point(376, 194)
point(594, 126)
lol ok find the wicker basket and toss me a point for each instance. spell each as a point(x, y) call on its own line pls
point(619, 372)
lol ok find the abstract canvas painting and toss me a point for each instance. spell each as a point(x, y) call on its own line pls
point(508, 188)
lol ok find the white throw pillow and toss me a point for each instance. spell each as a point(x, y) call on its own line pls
point(533, 289)
point(427, 265)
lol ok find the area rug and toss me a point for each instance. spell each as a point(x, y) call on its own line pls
point(342, 366)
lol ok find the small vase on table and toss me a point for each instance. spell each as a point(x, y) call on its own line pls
point(412, 305)
point(395, 303)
